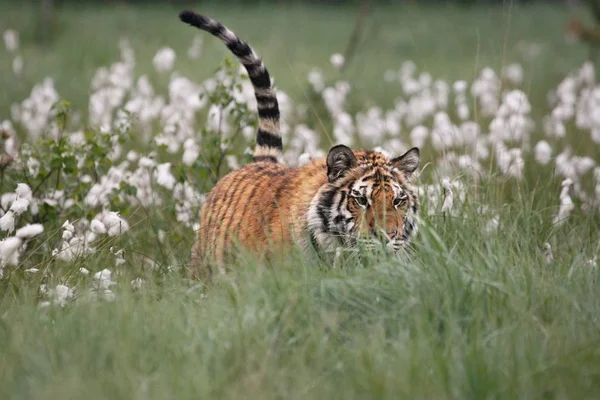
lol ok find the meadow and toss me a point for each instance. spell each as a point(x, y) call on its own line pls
point(114, 132)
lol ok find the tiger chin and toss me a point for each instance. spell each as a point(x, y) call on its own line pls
point(342, 200)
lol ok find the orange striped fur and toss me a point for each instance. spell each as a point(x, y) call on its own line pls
point(347, 197)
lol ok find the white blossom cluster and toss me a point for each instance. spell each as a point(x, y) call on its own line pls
point(478, 129)
point(13, 205)
point(11, 43)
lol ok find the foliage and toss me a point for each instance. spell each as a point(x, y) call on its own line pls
point(100, 203)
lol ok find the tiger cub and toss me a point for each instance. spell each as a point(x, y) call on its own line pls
point(334, 201)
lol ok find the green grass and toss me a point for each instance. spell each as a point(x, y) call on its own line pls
point(469, 316)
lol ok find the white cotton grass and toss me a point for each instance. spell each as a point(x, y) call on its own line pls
point(97, 227)
point(164, 60)
point(337, 60)
point(164, 177)
point(191, 152)
point(514, 74)
point(17, 66)
point(30, 230)
point(115, 225)
point(448, 196)
point(548, 256)
point(20, 202)
point(11, 40)
point(543, 152)
point(481, 128)
point(566, 203)
point(9, 251)
point(60, 295)
point(34, 113)
point(7, 221)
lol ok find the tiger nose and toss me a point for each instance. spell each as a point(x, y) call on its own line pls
point(391, 234)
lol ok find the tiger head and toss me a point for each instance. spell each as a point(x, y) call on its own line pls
point(367, 199)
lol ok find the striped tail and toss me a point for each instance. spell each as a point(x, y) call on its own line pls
point(268, 140)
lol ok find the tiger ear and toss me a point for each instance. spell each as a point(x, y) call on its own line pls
point(407, 162)
point(339, 160)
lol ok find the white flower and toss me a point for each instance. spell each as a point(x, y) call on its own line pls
point(418, 135)
point(17, 65)
point(337, 60)
point(163, 176)
point(191, 151)
point(164, 59)
point(566, 203)
point(146, 162)
point(316, 79)
point(61, 294)
point(460, 86)
point(29, 231)
point(84, 271)
point(114, 224)
point(97, 227)
point(304, 158)
point(543, 152)
point(119, 256)
point(7, 222)
point(68, 226)
point(137, 283)
point(11, 40)
point(448, 196)
point(67, 235)
point(102, 278)
point(492, 225)
point(462, 110)
point(232, 161)
point(19, 206)
point(514, 74)
point(517, 102)
point(549, 258)
point(9, 254)
point(587, 73)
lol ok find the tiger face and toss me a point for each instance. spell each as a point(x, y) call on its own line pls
point(368, 200)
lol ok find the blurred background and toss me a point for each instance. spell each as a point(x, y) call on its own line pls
point(69, 39)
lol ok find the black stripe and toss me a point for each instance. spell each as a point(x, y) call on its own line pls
point(262, 81)
point(280, 190)
point(254, 68)
point(270, 171)
point(216, 216)
point(268, 139)
point(197, 20)
point(217, 30)
point(241, 188)
point(239, 48)
point(250, 198)
point(272, 159)
point(344, 194)
point(323, 209)
point(269, 112)
point(266, 98)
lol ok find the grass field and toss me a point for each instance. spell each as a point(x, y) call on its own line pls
point(478, 311)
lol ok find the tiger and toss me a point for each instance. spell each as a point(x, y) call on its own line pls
point(330, 202)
